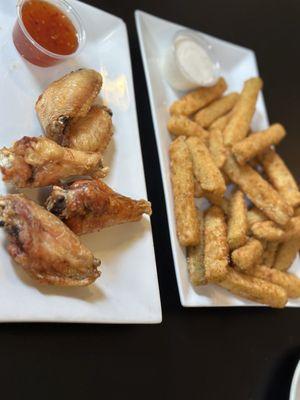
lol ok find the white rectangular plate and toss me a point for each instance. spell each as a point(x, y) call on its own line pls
point(238, 64)
point(127, 291)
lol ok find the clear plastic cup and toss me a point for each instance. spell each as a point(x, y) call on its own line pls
point(33, 51)
point(175, 71)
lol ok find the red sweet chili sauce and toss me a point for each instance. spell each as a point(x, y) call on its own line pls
point(48, 26)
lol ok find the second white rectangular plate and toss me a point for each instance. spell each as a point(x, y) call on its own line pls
point(238, 64)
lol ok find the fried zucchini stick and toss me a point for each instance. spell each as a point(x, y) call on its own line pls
point(255, 215)
point(237, 221)
point(257, 143)
point(205, 170)
point(182, 179)
point(215, 245)
point(180, 125)
point(268, 231)
point(286, 254)
point(280, 177)
point(239, 123)
point(216, 147)
point(287, 281)
point(195, 258)
point(221, 122)
point(247, 256)
point(269, 254)
point(193, 101)
point(255, 289)
point(259, 191)
point(216, 109)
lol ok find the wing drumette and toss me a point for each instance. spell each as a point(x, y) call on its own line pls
point(38, 161)
point(90, 205)
point(47, 249)
point(66, 100)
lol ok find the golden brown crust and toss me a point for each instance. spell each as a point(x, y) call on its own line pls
point(67, 99)
point(237, 221)
point(195, 258)
point(221, 122)
point(216, 109)
point(216, 250)
point(193, 101)
point(217, 148)
point(92, 132)
point(286, 254)
point(205, 170)
point(280, 177)
point(247, 256)
point(255, 289)
point(239, 123)
point(180, 125)
point(182, 178)
point(43, 245)
point(257, 143)
point(289, 282)
point(259, 191)
point(269, 254)
point(267, 230)
point(88, 205)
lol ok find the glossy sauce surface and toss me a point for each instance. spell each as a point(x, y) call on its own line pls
point(49, 27)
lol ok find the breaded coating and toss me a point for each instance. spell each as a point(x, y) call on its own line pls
point(255, 289)
point(255, 215)
point(205, 170)
point(216, 250)
point(292, 229)
point(269, 254)
point(216, 147)
point(297, 212)
point(193, 101)
point(247, 256)
point(267, 230)
point(287, 281)
point(239, 124)
point(221, 122)
point(257, 143)
point(216, 109)
point(259, 191)
point(280, 177)
point(180, 125)
point(182, 179)
point(286, 254)
point(195, 258)
point(237, 221)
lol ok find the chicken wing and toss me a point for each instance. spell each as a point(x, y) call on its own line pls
point(90, 205)
point(66, 100)
point(38, 161)
point(47, 249)
point(92, 132)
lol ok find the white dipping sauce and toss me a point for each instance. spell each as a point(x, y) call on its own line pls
point(188, 63)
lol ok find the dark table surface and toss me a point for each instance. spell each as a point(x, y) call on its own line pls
point(247, 353)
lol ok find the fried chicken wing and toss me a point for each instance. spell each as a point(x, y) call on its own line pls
point(66, 100)
point(38, 161)
point(44, 246)
point(92, 132)
point(90, 205)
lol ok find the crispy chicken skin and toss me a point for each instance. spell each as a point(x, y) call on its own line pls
point(47, 249)
point(66, 100)
point(92, 132)
point(90, 205)
point(38, 161)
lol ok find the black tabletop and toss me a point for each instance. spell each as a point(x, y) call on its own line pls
point(246, 353)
